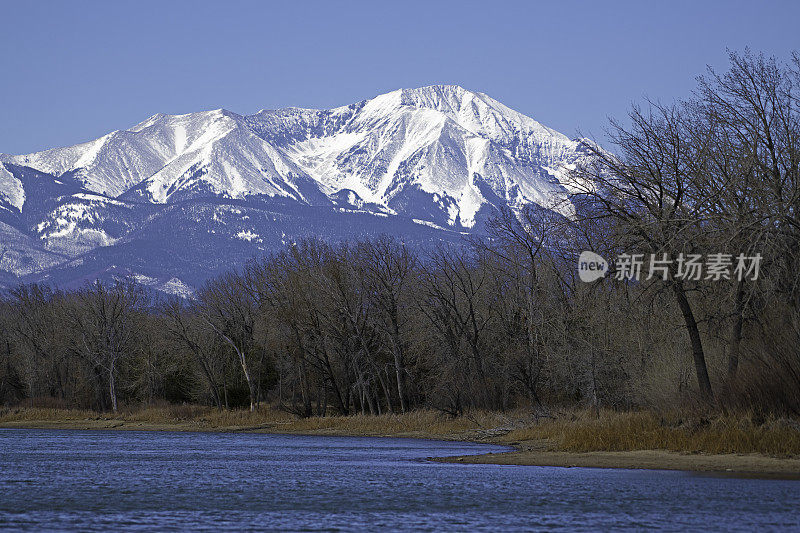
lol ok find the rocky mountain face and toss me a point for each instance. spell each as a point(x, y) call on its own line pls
point(178, 198)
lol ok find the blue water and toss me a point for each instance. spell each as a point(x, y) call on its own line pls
point(126, 480)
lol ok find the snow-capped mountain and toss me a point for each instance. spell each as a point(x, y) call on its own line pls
point(177, 198)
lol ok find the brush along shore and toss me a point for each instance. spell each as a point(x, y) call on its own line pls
point(726, 444)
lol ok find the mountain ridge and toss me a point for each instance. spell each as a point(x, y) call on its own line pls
point(439, 157)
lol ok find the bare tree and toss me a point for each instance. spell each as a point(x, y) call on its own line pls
point(227, 307)
point(388, 270)
point(104, 317)
point(192, 333)
point(649, 192)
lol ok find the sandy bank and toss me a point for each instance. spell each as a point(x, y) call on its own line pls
point(745, 465)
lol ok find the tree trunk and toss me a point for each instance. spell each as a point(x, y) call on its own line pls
point(736, 333)
point(398, 370)
point(386, 393)
point(697, 345)
point(111, 388)
point(243, 361)
point(250, 385)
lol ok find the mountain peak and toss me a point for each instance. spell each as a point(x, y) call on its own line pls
point(439, 157)
point(443, 91)
point(438, 97)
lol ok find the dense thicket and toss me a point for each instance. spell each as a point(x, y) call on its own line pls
point(499, 322)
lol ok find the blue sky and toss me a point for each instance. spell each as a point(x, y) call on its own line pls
point(74, 70)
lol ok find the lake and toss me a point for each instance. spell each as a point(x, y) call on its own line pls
point(126, 480)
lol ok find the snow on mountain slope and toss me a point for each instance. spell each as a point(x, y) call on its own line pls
point(440, 156)
point(462, 147)
point(234, 163)
point(12, 193)
point(21, 254)
point(121, 160)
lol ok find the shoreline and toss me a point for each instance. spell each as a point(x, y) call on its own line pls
point(745, 466)
point(524, 453)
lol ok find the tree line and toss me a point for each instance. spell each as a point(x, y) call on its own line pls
point(499, 322)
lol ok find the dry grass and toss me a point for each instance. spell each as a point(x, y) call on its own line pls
point(578, 431)
point(613, 431)
point(30, 414)
point(420, 423)
point(193, 415)
point(205, 417)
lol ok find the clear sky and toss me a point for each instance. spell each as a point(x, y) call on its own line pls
point(71, 71)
